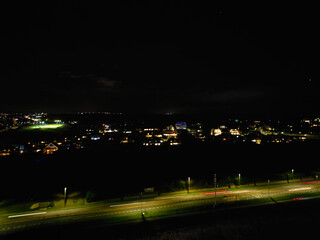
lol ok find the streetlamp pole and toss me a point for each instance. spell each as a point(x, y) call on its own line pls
point(142, 212)
point(189, 184)
point(239, 179)
point(292, 170)
point(215, 189)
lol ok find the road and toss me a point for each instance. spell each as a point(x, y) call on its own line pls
point(160, 206)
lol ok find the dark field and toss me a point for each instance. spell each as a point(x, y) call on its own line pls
point(116, 170)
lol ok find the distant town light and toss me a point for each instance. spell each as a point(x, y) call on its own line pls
point(217, 132)
point(95, 138)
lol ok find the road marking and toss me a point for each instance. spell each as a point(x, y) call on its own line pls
point(27, 214)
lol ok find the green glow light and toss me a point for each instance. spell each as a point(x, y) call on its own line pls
point(46, 126)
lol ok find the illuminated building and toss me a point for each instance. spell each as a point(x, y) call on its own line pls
point(50, 148)
point(257, 141)
point(181, 126)
point(148, 135)
point(5, 152)
point(152, 142)
point(170, 132)
point(174, 142)
point(234, 132)
point(216, 132)
point(196, 131)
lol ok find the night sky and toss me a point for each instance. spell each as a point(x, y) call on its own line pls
point(159, 57)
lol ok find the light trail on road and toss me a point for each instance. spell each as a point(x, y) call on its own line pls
point(299, 189)
point(126, 204)
point(27, 214)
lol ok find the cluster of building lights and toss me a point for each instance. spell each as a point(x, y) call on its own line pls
point(233, 131)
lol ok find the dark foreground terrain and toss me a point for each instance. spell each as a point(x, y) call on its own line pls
point(111, 171)
point(290, 220)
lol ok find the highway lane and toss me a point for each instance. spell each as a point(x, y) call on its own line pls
point(18, 221)
point(107, 212)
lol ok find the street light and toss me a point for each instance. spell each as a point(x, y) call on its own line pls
point(65, 196)
point(189, 184)
point(239, 179)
